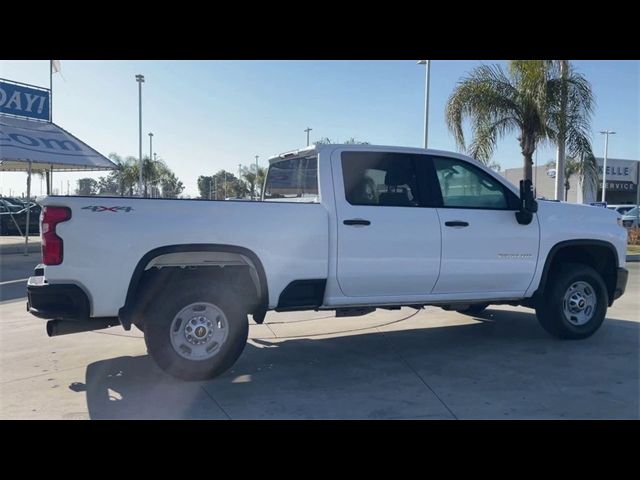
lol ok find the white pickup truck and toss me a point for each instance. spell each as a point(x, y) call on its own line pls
point(348, 228)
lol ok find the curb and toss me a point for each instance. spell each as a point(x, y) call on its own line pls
point(19, 248)
point(633, 258)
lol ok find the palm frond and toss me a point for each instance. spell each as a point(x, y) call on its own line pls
point(484, 97)
point(485, 138)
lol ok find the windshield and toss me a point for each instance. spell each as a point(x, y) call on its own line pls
point(633, 212)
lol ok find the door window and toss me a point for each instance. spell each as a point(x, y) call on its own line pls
point(464, 186)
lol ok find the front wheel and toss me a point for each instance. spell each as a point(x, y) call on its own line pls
point(575, 302)
point(195, 331)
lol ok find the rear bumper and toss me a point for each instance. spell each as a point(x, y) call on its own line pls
point(58, 301)
point(621, 282)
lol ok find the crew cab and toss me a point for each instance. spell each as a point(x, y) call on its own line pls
point(347, 228)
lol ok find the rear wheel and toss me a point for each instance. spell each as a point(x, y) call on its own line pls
point(196, 331)
point(575, 302)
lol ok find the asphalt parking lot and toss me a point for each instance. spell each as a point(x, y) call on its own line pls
point(406, 364)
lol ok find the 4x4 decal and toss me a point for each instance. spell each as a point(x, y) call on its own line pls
point(100, 208)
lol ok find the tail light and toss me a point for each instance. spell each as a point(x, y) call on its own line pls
point(52, 246)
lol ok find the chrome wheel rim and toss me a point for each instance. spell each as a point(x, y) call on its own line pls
point(579, 303)
point(198, 331)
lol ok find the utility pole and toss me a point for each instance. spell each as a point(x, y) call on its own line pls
point(140, 80)
point(606, 134)
point(560, 191)
point(255, 181)
point(210, 186)
point(215, 183)
point(308, 130)
point(638, 194)
point(150, 155)
point(426, 100)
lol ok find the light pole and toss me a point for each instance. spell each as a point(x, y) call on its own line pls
point(606, 134)
point(308, 130)
point(150, 155)
point(255, 180)
point(140, 80)
point(150, 145)
point(426, 99)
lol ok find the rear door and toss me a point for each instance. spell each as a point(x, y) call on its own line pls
point(388, 242)
point(484, 248)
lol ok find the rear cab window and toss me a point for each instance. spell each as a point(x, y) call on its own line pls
point(383, 179)
point(293, 180)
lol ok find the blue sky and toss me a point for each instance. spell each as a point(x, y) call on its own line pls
point(209, 115)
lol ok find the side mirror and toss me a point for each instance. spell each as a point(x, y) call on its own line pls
point(528, 204)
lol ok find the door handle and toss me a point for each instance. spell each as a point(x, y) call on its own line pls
point(456, 223)
point(357, 221)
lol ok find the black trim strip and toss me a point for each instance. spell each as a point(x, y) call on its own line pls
point(302, 295)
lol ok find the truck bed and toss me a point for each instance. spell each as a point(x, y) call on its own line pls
point(123, 230)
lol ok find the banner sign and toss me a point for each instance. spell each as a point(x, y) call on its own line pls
point(24, 100)
point(45, 144)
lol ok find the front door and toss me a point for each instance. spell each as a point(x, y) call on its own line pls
point(388, 243)
point(484, 248)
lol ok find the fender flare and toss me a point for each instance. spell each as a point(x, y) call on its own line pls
point(125, 313)
point(570, 243)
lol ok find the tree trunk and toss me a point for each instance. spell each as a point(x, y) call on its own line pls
point(528, 167)
point(562, 129)
point(528, 147)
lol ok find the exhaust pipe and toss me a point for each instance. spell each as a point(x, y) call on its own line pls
point(66, 327)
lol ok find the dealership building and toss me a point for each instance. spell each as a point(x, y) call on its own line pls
point(622, 183)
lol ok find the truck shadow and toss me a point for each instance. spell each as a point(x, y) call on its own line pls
point(503, 366)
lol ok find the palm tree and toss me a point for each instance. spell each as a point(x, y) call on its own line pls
point(530, 100)
point(582, 168)
point(571, 105)
point(126, 173)
point(253, 178)
point(153, 173)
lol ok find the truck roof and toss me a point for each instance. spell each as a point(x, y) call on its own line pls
point(359, 146)
point(391, 148)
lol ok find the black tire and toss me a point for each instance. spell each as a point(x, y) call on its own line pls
point(475, 309)
point(161, 313)
point(550, 311)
